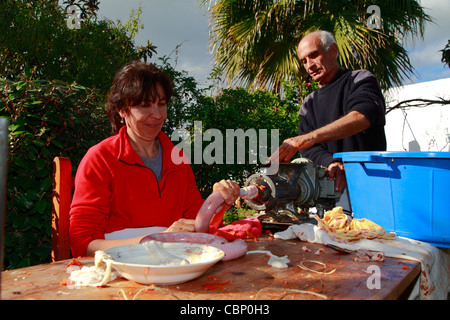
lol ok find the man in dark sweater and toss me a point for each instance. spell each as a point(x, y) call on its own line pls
point(347, 112)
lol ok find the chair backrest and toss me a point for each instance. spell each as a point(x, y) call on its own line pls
point(63, 184)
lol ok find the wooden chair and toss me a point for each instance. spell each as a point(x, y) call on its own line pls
point(63, 184)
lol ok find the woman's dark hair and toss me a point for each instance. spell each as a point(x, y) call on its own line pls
point(133, 84)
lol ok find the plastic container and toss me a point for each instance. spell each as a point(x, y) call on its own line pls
point(404, 192)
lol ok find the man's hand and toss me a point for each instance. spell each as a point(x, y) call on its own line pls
point(336, 172)
point(348, 125)
point(290, 146)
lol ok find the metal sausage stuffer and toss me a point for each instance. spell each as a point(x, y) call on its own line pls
point(297, 186)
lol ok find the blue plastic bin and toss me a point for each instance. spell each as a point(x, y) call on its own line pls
point(404, 192)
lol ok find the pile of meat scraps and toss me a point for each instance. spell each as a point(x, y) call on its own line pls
point(241, 229)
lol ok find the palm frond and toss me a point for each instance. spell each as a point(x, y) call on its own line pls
point(254, 42)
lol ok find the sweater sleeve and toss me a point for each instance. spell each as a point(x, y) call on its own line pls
point(193, 199)
point(90, 208)
point(366, 97)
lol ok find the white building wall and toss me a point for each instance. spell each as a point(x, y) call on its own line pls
point(419, 129)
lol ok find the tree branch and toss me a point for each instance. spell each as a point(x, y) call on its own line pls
point(417, 103)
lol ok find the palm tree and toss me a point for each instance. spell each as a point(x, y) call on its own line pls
point(446, 54)
point(254, 41)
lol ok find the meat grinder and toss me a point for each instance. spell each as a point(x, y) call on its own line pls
point(288, 194)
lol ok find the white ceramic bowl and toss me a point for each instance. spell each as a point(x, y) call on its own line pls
point(134, 262)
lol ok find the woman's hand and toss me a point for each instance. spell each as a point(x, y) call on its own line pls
point(229, 190)
point(182, 225)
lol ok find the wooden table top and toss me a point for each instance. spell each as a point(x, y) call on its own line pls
point(246, 278)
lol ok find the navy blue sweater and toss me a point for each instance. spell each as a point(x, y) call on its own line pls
point(348, 91)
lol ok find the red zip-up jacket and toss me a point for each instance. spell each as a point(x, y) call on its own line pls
point(114, 190)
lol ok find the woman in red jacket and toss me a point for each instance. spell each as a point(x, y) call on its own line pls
point(127, 184)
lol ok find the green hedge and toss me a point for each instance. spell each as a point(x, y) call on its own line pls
point(47, 119)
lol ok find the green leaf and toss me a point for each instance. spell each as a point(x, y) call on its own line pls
point(13, 127)
point(18, 221)
point(20, 85)
point(21, 162)
point(32, 195)
point(58, 144)
point(27, 71)
point(41, 206)
point(39, 143)
point(40, 163)
point(43, 252)
point(42, 173)
point(35, 221)
point(46, 184)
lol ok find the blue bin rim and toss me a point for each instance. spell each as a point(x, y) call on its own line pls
point(362, 156)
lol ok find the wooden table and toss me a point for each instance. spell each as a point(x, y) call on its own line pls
point(246, 278)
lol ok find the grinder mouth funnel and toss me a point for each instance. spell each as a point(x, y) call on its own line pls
point(272, 191)
point(266, 192)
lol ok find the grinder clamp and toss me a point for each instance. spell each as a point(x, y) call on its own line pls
point(297, 186)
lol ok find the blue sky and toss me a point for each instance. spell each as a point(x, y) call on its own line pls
point(169, 23)
point(425, 55)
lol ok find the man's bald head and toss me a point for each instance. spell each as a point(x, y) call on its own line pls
point(318, 52)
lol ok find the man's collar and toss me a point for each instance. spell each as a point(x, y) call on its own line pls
point(338, 74)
